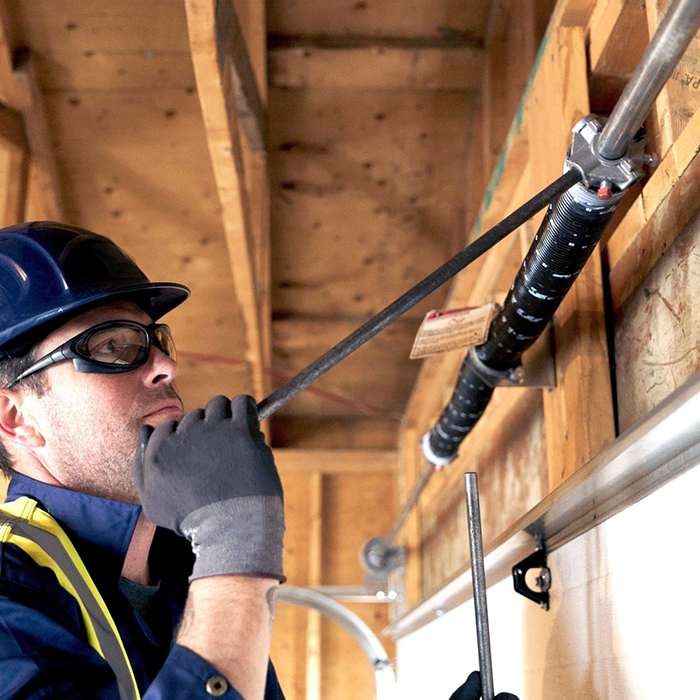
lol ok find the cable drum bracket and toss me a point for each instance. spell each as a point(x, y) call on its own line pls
point(537, 560)
point(610, 179)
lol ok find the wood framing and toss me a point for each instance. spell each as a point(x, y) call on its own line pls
point(224, 87)
point(577, 418)
point(680, 97)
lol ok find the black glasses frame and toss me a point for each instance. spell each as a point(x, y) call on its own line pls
point(75, 349)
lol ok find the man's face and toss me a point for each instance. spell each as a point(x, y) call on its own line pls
point(90, 422)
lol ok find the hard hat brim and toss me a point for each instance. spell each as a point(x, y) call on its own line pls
point(155, 299)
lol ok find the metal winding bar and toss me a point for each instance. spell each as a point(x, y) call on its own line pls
point(408, 300)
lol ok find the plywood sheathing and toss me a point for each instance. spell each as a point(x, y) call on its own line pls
point(365, 199)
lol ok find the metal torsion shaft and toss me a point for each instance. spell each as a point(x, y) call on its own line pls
point(408, 300)
point(476, 548)
point(669, 43)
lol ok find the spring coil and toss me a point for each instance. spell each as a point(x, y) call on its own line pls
point(568, 235)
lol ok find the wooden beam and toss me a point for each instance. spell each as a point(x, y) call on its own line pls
point(45, 199)
point(12, 134)
point(377, 68)
point(233, 59)
point(373, 41)
point(216, 83)
point(322, 461)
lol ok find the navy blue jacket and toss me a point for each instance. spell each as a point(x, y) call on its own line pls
point(44, 651)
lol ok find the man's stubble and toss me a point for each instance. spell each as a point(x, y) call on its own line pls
point(92, 450)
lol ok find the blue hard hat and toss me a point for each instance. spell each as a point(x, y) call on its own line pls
point(50, 272)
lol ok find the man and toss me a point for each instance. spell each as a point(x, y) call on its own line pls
point(91, 589)
point(109, 482)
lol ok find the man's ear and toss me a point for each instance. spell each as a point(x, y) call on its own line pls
point(17, 423)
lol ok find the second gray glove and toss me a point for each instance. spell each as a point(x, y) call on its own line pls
point(212, 478)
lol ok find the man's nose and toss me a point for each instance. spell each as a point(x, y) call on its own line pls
point(160, 367)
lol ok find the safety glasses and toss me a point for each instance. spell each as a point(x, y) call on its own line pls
point(110, 347)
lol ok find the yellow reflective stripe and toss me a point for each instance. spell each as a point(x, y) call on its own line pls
point(43, 559)
point(26, 509)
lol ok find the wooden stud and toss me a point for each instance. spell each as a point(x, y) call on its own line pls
point(13, 167)
point(45, 199)
point(12, 130)
point(314, 622)
point(233, 60)
point(13, 183)
point(618, 37)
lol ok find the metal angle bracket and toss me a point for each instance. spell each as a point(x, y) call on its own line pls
point(537, 560)
point(537, 368)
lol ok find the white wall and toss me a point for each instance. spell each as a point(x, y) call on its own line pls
point(624, 622)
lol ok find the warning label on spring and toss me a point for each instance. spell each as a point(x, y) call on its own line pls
point(452, 329)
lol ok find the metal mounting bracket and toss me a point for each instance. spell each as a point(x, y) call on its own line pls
point(537, 560)
point(537, 368)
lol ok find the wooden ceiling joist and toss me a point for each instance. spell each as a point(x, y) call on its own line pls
point(231, 47)
point(225, 83)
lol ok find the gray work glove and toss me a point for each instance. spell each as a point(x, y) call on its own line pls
point(212, 478)
point(471, 690)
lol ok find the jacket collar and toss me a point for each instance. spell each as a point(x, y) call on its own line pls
point(100, 529)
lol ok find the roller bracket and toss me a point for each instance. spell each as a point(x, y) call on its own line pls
point(537, 560)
